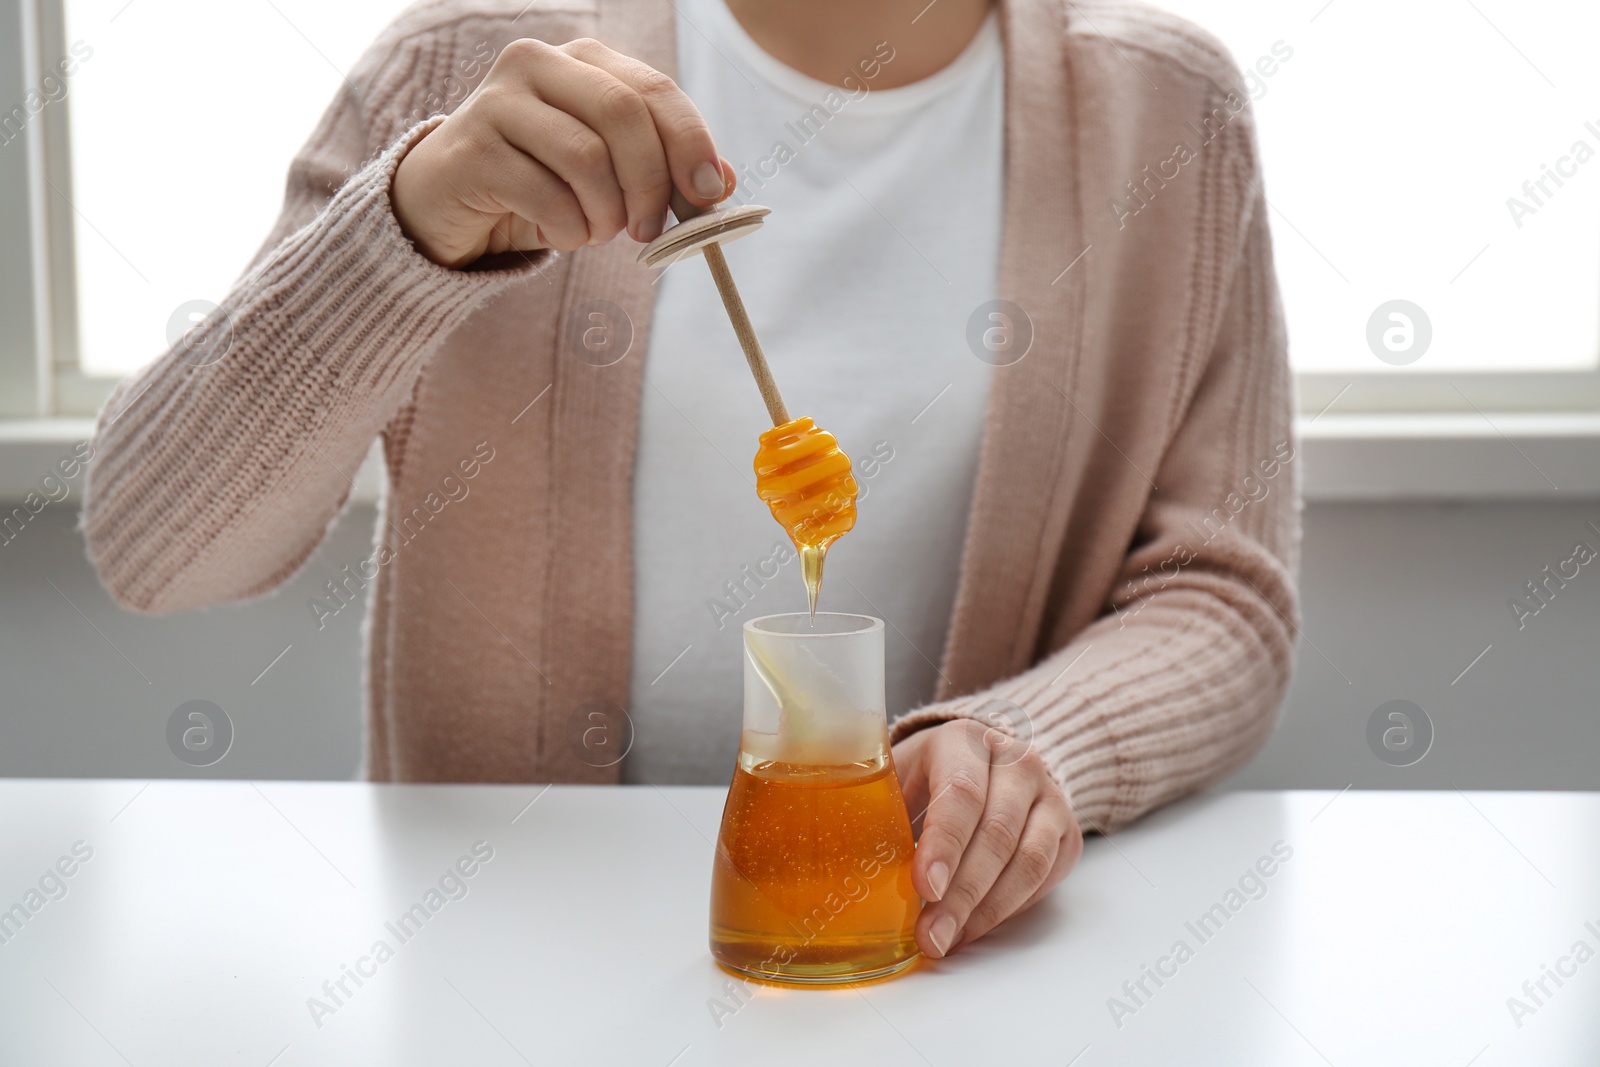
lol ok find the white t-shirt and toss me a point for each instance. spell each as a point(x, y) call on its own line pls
point(883, 239)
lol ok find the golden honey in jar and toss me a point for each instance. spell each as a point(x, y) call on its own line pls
point(811, 881)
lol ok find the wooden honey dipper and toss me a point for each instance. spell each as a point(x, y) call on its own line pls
point(801, 472)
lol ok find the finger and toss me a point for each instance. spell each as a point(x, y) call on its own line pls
point(572, 151)
point(612, 109)
point(1067, 857)
point(691, 154)
point(1034, 868)
point(911, 768)
point(957, 783)
point(993, 843)
point(511, 181)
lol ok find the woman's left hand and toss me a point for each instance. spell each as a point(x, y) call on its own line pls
point(999, 832)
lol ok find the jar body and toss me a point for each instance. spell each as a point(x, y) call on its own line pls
point(812, 876)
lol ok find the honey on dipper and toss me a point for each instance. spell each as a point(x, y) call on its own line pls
point(801, 472)
point(804, 476)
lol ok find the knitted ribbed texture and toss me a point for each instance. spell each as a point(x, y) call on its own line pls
point(1126, 598)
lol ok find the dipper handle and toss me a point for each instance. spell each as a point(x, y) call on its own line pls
point(734, 305)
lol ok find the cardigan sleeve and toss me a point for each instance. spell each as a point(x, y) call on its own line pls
point(1179, 681)
point(218, 468)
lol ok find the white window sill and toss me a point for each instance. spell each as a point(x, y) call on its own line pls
point(1367, 457)
point(1494, 456)
point(31, 448)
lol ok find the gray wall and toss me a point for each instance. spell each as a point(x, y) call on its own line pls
point(1398, 600)
point(89, 695)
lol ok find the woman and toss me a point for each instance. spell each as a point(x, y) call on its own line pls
point(1018, 261)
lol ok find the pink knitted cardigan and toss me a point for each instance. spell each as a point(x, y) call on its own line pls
point(1126, 595)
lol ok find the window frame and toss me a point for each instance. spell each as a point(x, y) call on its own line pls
point(41, 375)
point(60, 388)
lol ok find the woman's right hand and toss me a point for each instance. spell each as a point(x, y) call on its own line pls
point(561, 146)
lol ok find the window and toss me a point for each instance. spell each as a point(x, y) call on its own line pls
point(183, 124)
point(1446, 154)
point(1442, 154)
point(183, 118)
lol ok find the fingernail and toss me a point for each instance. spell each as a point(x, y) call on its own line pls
point(708, 181)
point(944, 928)
point(650, 228)
point(938, 878)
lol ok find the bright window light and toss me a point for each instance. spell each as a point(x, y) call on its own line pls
point(184, 120)
point(1393, 138)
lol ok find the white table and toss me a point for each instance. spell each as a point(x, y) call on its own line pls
point(209, 913)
